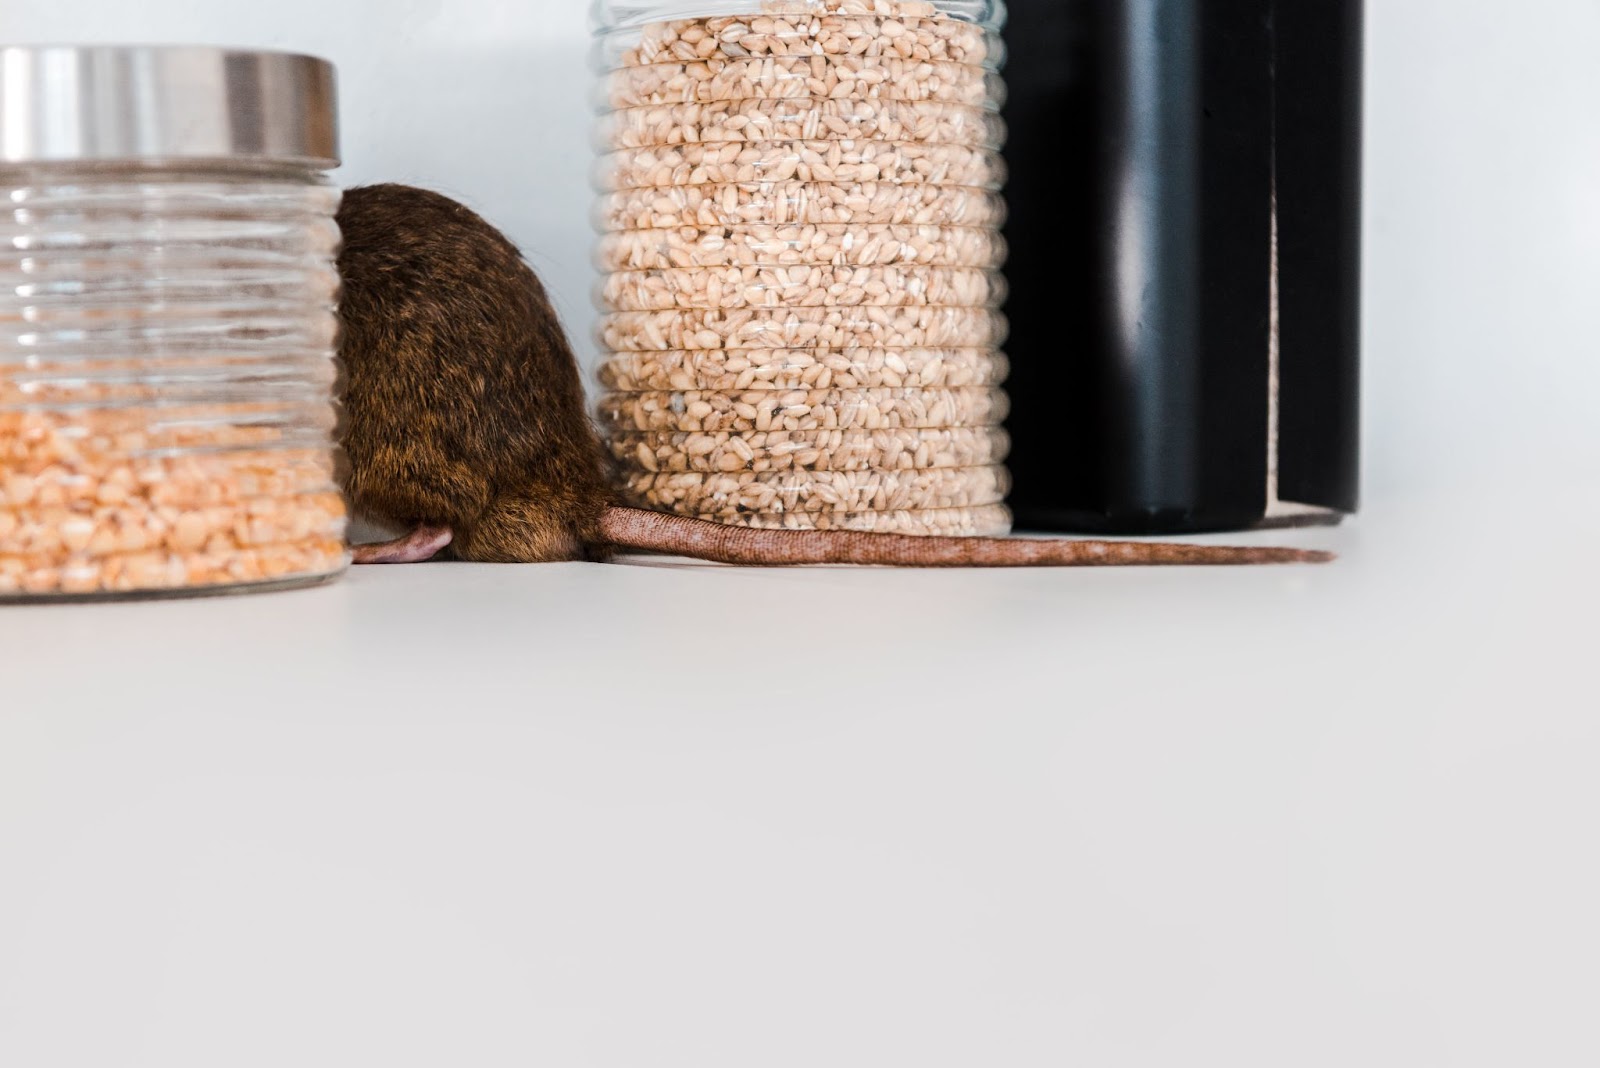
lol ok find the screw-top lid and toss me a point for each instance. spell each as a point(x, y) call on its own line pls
point(178, 103)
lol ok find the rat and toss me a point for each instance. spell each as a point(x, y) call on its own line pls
point(466, 425)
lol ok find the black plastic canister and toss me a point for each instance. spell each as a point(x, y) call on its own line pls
point(1185, 267)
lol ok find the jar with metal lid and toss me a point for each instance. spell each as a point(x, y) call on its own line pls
point(167, 322)
point(800, 214)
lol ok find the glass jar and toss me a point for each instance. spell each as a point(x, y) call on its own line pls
point(799, 213)
point(167, 323)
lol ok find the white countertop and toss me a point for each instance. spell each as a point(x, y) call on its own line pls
point(676, 815)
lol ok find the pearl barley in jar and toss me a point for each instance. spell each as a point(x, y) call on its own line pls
point(167, 322)
point(800, 212)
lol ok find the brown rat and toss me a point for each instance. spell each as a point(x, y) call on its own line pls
point(467, 424)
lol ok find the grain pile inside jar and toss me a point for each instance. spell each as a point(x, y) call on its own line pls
point(116, 489)
point(800, 213)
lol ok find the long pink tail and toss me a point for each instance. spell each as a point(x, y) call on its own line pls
point(633, 528)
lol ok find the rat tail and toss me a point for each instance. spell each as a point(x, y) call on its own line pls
point(634, 528)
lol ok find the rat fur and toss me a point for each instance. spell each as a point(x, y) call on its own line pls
point(466, 424)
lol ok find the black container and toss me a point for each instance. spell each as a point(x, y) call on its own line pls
point(1185, 269)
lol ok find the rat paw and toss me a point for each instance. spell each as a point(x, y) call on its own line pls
point(420, 545)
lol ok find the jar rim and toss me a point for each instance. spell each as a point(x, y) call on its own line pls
point(608, 15)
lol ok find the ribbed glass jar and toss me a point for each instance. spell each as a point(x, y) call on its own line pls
point(167, 322)
point(799, 212)
point(167, 378)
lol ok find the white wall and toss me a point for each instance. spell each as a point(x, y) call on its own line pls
point(1483, 185)
point(1483, 240)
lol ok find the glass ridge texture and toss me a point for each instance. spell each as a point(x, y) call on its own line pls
point(812, 451)
point(167, 380)
point(754, 369)
point(799, 208)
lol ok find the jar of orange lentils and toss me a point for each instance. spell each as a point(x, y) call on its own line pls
point(167, 323)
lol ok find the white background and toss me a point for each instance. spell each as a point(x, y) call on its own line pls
point(658, 816)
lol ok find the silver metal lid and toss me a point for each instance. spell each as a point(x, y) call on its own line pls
point(178, 103)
